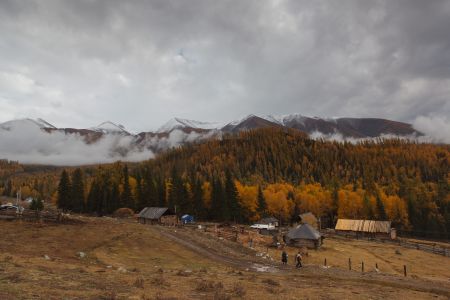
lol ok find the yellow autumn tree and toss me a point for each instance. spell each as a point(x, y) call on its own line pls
point(248, 198)
point(396, 209)
point(313, 198)
point(206, 193)
point(278, 203)
point(350, 202)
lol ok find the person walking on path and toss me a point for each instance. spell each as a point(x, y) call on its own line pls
point(298, 259)
point(284, 257)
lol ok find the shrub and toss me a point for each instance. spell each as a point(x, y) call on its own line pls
point(205, 286)
point(270, 281)
point(139, 282)
point(37, 204)
point(239, 290)
point(123, 213)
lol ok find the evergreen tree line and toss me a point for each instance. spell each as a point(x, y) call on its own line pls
point(201, 178)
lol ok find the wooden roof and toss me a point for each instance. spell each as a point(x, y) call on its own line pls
point(154, 213)
point(363, 225)
point(303, 232)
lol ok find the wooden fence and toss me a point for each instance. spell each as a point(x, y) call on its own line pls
point(29, 215)
point(431, 248)
point(436, 249)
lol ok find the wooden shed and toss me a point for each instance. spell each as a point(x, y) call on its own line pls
point(303, 235)
point(157, 215)
point(364, 227)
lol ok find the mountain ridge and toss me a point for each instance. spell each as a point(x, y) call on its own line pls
point(38, 141)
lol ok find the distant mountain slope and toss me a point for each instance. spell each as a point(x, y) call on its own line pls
point(37, 141)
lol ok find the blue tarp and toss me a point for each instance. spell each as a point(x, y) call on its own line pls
point(187, 219)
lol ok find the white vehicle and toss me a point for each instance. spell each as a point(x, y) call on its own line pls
point(262, 226)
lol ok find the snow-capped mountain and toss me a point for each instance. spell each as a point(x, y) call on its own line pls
point(37, 141)
point(39, 123)
point(178, 123)
point(110, 127)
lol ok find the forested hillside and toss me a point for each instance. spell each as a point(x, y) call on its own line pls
point(277, 172)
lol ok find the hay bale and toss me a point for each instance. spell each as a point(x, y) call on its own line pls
point(123, 212)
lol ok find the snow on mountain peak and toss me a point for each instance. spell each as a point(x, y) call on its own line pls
point(41, 123)
point(110, 127)
point(284, 119)
point(177, 123)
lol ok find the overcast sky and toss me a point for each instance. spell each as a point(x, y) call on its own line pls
point(140, 63)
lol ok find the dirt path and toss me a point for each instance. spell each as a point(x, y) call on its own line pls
point(201, 247)
point(220, 252)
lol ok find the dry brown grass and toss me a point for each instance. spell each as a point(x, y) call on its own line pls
point(154, 267)
point(389, 258)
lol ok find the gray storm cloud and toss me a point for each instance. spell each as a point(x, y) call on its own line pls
point(141, 63)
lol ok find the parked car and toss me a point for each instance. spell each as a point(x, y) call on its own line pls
point(8, 207)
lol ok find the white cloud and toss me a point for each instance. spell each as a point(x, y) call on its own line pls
point(27, 143)
point(435, 127)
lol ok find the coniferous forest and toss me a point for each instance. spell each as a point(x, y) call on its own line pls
point(277, 172)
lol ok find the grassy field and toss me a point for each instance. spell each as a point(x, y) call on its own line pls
point(125, 260)
point(389, 258)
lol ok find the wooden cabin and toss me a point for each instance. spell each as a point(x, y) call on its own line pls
point(157, 215)
point(303, 235)
point(365, 228)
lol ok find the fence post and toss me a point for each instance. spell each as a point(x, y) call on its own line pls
point(362, 266)
point(349, 264)
point(376, 266)
point(325, 262)
point(404, 270)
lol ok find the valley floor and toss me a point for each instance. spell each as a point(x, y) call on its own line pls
point(104, 258)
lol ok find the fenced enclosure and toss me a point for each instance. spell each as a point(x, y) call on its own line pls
point(30, 215)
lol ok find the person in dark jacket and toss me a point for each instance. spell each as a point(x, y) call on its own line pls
point(284, 257)
point(298, 259)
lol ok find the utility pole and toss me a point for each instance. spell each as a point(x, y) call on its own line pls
point(18, 194)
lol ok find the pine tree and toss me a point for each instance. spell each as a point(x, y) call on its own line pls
point(93, 200)
point(126, 198)
point(114, 198)
point(161, 192)
point(219, 210)
point(140, 199)
point(295, 217)
point(177, 192)
point(77, 193)
point(64, 191)
point(199, 205)
point(8, 188)
point(367, 207)
point(381, 212)
point(262, 205)
point(232, 199)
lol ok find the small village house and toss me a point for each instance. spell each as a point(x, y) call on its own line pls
point(365, 228)
point(304, 235)
point(157, 215)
